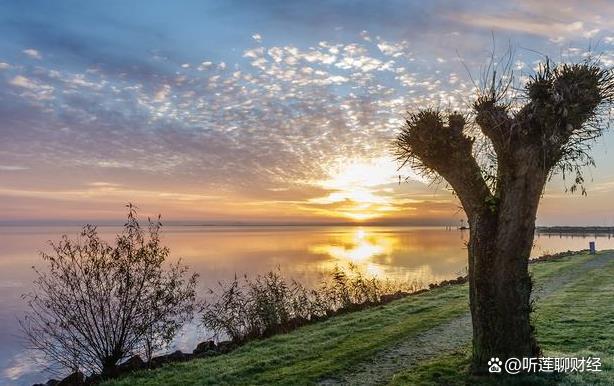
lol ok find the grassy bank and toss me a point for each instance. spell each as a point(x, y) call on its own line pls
point(574, 318)
point(575, 321)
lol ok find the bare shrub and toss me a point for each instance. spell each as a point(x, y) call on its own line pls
point(95, 304)
point(228, 313)
point(269, 303)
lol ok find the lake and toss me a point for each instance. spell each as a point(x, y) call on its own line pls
point(423, 254)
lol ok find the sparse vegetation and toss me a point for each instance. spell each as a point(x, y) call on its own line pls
point(248, 308)
point(331, 348)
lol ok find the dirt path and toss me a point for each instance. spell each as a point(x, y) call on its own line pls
point(385, 364)
point(440, 339)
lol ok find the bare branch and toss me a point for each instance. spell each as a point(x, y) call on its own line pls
point(97, 304)
point(565, 113)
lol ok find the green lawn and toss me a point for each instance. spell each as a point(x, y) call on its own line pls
point(577, 319)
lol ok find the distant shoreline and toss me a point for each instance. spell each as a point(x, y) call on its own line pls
point(556, 229)
point(576, 230)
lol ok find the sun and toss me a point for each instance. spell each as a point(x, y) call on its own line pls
point(359, 188)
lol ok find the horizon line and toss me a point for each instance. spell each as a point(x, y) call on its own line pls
point(110, 223)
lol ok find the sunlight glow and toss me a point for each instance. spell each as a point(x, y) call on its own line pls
point(360, 188)
point(362, 173)
point(358, 247)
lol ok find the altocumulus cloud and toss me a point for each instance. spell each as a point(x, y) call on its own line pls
point(271, 124)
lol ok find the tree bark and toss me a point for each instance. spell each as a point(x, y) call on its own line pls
point(501, 238)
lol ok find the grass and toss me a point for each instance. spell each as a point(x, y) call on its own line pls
point(576, 320)
point(309, 353)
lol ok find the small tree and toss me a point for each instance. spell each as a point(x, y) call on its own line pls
point(96, 304)
point(550, 132)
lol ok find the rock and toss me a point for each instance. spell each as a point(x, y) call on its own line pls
point(176, 356)
point(51, 382)
point(390, 297)
point(296, 322)
point(74, 379)
point(132, 364)
point(225, 346)
point(203, 347)
point(94, 379)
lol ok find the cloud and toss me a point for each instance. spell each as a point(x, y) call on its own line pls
point(234, 125)
point(267, 123)
point(542, 26)
point(33, 90)
point(214, 125)
point(23, 363)
point(12, 167)
point(32, 53)
point(162, 93)
point(393, 49)
point(558, 21)
point(22, 81)
point(102, 184)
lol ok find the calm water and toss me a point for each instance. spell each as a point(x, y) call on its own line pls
point(217, 253)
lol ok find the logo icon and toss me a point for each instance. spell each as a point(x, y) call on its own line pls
point(494, 365)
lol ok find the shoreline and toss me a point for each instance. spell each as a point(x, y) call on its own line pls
point(210, 348)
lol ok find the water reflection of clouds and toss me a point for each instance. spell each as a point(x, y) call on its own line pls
point(25, 364)
point(306, 253)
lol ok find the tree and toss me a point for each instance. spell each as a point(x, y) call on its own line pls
point(96, 303)
point(550, 132)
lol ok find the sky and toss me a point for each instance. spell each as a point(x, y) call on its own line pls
point(261, 111)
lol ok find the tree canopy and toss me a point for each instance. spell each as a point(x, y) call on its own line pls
point(561, 112)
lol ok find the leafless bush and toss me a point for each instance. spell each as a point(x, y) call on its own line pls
point(96, 303)
point(249, 308)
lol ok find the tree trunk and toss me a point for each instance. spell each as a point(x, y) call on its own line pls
point(501, 238)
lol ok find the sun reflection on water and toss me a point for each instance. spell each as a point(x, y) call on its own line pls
point(364, 250)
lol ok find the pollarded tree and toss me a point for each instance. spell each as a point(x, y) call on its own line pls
point(551, 132)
